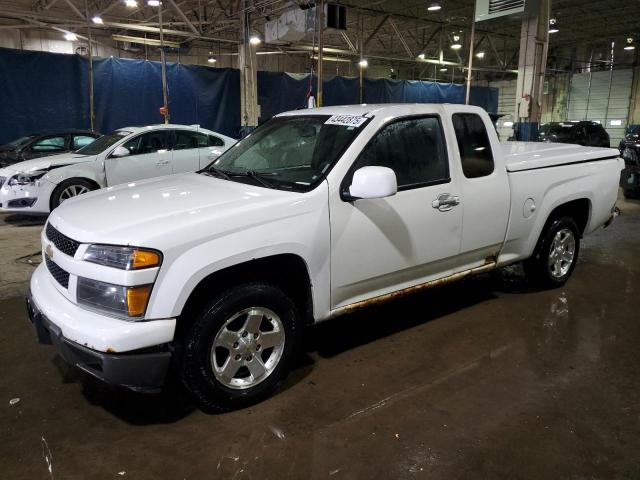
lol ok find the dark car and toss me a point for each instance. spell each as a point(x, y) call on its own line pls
point(589, 134)
point(630, 150)
point(42, 145)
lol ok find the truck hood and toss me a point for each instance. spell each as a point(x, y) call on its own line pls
point(172, 211)
point(47, 163)
point(530, 155)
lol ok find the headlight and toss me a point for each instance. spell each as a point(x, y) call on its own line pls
point(116, 300)
point(26, 178)
point(124, 258)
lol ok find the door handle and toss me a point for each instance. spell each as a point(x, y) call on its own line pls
point(445, 201)
point(162, 162)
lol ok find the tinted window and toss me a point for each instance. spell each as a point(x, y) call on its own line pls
point(186, 140)
point(49, 144)
point(215, 141)
point(80, 141)
point(473, 145)
point(413, 148)
point(147, 143)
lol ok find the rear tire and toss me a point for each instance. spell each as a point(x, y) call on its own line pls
point(556, 254)
point(68, 189)
point(240, 347)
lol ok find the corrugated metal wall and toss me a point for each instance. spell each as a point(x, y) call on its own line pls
point(602, 97)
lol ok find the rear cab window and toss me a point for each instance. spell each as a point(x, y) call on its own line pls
point(474, 146)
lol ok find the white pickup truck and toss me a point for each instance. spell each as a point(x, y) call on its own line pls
point(315, 214)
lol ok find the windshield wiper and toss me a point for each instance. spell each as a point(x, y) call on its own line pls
point(216, 172)
point(256, 176)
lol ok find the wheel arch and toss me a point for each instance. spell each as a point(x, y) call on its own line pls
point(66, 181)
point(287, 271)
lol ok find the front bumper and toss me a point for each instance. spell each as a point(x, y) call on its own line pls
point(140, 371)
point(26, 199)
point(130, 354)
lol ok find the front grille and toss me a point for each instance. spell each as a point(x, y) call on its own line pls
point(62, 242)
point(56, 272)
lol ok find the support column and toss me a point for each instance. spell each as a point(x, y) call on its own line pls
point(534, 43)
point(634, 105)
point(247, 63)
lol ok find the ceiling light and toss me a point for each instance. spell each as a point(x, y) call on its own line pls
point(480, 55)
point(434, 6)
point(254, 40)
point(131, 3)
point(553, 26)
point(363, 63)
point(97, 20)
point(443, 69)
point(629, 46)
point(456, 45)
point(211, 58)
point(153, 3)
point(422, 56)
point(70, 36)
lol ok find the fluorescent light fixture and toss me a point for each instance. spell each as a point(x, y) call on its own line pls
point(553, 26)
point(508, 124)
point(254, 39)
point(97, 20)
point(615, 123)
point(363, 63)
point(153, 3)
point(70, 36)
point(131, 3)
point(456, 45)
point(630, 46)
point(444, 69)
point(422, 56)
point(211, 58)
point(434, 6)
point(480, 55)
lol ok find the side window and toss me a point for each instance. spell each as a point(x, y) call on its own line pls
point(80, 141)
point(413, 148)
point(215, 141)
point(203, 140)
point(147, 143)
point(49, 144)
point(186, 140)
point(473, 145)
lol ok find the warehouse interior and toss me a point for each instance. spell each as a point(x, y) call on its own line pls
point(484, 378)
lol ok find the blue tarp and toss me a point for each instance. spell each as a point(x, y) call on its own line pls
point(46, 91)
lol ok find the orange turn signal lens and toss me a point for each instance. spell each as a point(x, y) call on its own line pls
point(144, 258)
point(137, 299)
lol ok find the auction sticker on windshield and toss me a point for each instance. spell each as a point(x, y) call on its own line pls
point(346, 120)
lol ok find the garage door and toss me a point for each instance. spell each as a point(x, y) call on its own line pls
point(602, 97)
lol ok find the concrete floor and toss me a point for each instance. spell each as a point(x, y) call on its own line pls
point(482, 379)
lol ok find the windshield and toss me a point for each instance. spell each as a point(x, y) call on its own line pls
point(19, 142)
point(103, 142)
point(290, 153)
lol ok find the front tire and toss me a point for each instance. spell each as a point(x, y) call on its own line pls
point(240, 347)
point(68, 189)
point(556, 254)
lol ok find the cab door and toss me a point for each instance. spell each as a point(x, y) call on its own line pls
point(382, 245)
point(149, 156)
point(484, 188)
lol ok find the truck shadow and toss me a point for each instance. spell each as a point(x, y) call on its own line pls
point(327, 339)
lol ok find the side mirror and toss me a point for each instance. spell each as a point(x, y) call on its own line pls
point(373, 182)
point(120, 151)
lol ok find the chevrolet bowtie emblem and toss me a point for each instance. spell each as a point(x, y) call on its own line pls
point(48, 251)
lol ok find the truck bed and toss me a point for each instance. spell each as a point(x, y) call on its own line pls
point(521, 156)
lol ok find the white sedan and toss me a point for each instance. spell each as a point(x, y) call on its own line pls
point(125, 155)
